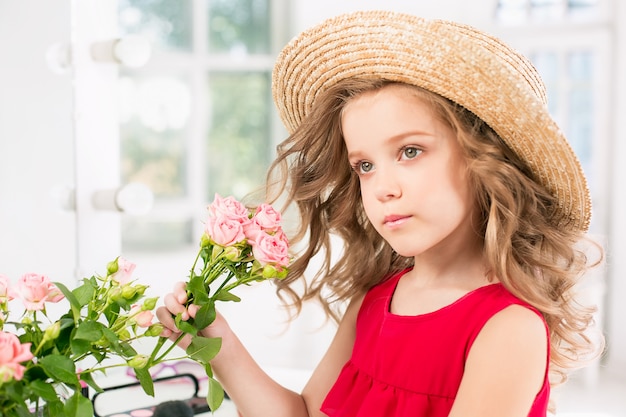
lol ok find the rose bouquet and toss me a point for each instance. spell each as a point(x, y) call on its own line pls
point(46, 366)
point(238, 247)
point(41, 359)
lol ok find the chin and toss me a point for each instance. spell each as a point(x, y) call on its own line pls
point(404, 252)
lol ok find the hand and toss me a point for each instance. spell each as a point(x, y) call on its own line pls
point(174, 303)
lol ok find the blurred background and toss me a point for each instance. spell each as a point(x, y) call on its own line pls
point(121, 119)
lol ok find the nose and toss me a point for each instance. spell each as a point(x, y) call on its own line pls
point(387, 185)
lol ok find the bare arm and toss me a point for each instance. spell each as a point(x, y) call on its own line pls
point(505, 368)
point(333, 361)
point(251, 389)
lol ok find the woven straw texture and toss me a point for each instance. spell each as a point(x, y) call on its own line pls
point(456, 61)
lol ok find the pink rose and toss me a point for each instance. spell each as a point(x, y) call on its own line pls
point(267, 218)
point(229, 208)
point(5, 289)
point(124, 272)
point(252, 230)
point(55, 295)
point(36, 289)
point(271, 249)
point(224, 231)
point(143, 318)
point(12, 352)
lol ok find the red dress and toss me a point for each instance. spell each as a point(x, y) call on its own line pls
point(405, 366)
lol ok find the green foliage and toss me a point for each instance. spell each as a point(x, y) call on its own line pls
point(104, 317)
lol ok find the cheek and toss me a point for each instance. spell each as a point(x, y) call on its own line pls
point(367, 197)
point(462, 184)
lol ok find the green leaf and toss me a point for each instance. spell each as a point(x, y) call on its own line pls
point(204, 349)
point(65, 333)
point(127, 350)
point(112, 312)
point(123, 349)
point(43, 390)
point(215, 394)
point(197, 289)
point(84, 293)
point(60, 368)
point(22, 411)
point(208, 369)
point(78, 406)
point(89, 330)
point(79, 346)
point(143, 375)
point(110, 335)
point(205, 315)
point(88, 379)
point(224, 295)
point(55, 408)
point(33, 373)
point(185, 326)
point(74, 303)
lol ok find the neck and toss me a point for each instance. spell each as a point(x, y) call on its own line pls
point(451, 266)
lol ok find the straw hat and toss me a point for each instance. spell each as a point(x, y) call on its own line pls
point(461, 63)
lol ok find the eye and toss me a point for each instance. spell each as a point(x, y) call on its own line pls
point(362, 167)
point(410, 152)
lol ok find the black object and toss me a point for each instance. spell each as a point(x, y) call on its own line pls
point(197, 404)
point(173, 409)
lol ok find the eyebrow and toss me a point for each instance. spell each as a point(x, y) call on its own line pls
point(395, 139)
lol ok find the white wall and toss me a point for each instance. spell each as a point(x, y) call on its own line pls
point(36, 142)
point(616, 314)
point(307, 13)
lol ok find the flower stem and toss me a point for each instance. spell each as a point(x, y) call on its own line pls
point(169, 349)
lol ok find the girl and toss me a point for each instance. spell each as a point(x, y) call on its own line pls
point(428, 148)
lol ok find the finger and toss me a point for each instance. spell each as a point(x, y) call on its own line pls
point(166, 332)
point(180, 292)
point(193, 309)
point(172, 303)
point(165, 317)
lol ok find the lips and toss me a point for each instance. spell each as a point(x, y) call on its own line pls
point(394, 220)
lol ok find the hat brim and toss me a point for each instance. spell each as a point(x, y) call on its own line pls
point(456, 61)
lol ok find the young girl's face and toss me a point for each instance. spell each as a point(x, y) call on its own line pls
point(412, 173)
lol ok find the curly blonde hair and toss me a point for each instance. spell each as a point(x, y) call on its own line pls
point(535, 260)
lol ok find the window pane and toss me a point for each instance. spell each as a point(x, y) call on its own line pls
point(167, 24)
point(544, 3)
point(154, 117)
point(512, 11)
point(573, 4)
point(239, 147)
point(154, 124)
point(146, 234)
point(547, 64)
point(583, 9)
point(580, 107)
point(519, 11)
point(239, 26)
point(547, 9)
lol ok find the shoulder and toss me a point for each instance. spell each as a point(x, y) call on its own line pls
point(507, 365)
point(514, 326)
point(352, 311)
